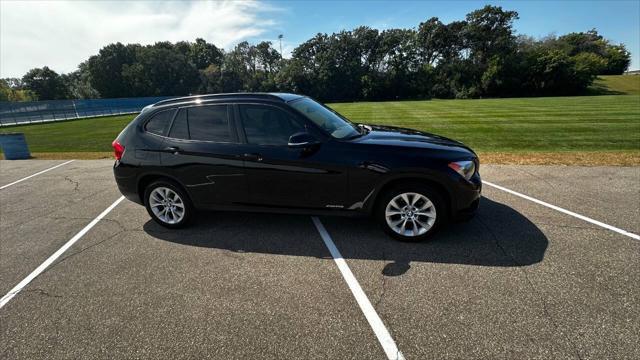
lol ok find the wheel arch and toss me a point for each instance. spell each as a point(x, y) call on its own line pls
point(148, 178)
point(419, 179)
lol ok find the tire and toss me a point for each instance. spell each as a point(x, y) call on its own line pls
point(415, 220)
point(166, 194)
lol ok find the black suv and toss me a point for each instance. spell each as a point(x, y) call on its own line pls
point(288, 153)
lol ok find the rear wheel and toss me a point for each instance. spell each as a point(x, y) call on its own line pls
point(168, 204)
point(411, 212)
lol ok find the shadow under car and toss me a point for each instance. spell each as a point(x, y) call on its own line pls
point(497, 236)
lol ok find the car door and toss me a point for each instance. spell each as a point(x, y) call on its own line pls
point(279, 175)
point(202, 152)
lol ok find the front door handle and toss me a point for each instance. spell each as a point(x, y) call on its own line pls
point(252, 157)
point(172, 149)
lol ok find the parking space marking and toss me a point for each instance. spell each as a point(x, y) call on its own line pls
point(383, 335)
point(565, 211)
point(36, 174)
point(16, 289)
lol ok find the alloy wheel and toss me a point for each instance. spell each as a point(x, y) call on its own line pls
point(410, 214)
point(167, 205)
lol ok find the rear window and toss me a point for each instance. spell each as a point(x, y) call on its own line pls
point(160, 122)
point(209, 123)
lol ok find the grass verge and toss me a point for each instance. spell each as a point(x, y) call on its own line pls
point(563, 158)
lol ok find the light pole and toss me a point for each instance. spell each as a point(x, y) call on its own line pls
point(280, 38)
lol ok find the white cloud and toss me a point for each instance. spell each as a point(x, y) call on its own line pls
point(61, 34)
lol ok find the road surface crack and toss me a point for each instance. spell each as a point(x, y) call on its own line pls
point(76, 183)
point(42, 292)
point(57, 209)
point(546, 181)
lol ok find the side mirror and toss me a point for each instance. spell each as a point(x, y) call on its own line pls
point(302, 140)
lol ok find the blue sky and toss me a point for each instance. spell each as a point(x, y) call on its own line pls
point(61, 34)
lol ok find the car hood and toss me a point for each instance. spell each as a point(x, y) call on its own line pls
point(396, 136)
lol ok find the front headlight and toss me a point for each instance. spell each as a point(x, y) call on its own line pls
point(464, 168)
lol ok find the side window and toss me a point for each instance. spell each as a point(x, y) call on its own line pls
point(209, 123)
point(180, 129)
point(160, 122)
point(267, 125)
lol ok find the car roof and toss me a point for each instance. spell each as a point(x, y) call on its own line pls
point(279, 97)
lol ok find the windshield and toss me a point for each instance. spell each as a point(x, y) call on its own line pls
point(326, 119)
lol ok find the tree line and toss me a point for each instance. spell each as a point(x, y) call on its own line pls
point(480, 56)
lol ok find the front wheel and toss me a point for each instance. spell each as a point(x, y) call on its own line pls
point(411, 212)
point(168, 204)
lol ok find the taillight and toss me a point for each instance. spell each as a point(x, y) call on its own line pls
point(118, 149)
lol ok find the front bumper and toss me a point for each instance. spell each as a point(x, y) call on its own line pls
point(467, 197)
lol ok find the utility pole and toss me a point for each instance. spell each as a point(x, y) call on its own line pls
point(280, 38)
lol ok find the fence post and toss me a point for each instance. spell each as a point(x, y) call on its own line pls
point(75, 109)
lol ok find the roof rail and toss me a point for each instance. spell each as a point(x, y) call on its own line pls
point(217, 96)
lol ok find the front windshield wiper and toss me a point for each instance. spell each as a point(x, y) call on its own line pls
point(364, 129)
point(361, 131)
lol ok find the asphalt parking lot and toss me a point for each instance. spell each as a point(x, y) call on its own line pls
point(520, 280)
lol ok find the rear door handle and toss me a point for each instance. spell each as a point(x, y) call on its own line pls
point(252, 157)
point(173, 149)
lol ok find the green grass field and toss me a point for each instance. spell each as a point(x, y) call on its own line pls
point(560, 124)
point(84, 135)
point(616, 85)
point(587, 123)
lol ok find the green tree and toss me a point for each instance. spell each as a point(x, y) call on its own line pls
point(46, 84)
point(489, 33)
point(210, 79)
point(475, 57)
point(401, 62)
point(616, 57)
point(79, 83)
point(12, 89)
point(309, 70)
point(587, 66)
point(239, 68)
point(160, 70)
point(268, 58)
point(105, 69)
point(5, 90)
point(582, 42)
point(617, 60)
point(202, 54)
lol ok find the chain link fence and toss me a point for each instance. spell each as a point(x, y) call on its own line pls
point(15, 113)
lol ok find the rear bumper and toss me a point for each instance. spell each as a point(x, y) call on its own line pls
point(127, 182)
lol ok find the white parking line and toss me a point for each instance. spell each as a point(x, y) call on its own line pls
point(557, 208)
point(36, 174)
point(383, 335)
point(16, 289)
